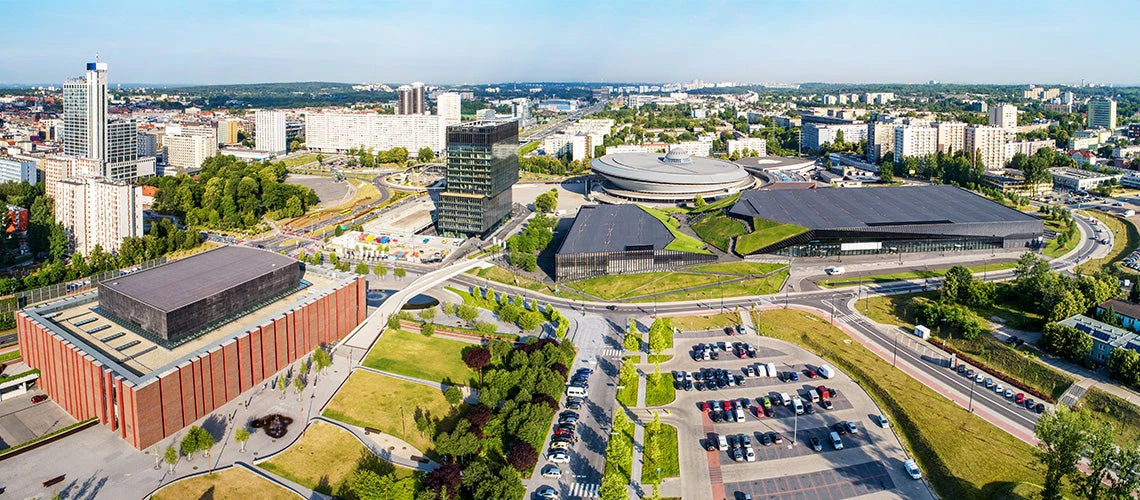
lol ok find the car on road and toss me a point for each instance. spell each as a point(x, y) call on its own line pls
point(989, 382)
point(547, 492)
point(1020, 398)
point(961, 369)
point(912, 469)
point(970, 372)
point(1008, 393)
point(551, 472)
point(558, 457)
point(1040, 408)
point(815, 444)
point(740, 329)
point(1029, 403)
point(999, 388)
point(832, 271)
point(39, 398)
point(883, 421)
point(979, 378)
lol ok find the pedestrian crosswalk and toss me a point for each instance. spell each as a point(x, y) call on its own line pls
point(846, 318)
point(616, 353)
point(584, 490)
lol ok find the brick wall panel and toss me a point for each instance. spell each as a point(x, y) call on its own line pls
point(255, 350)
point(196, 385)
point(268, 351)
point(295, 350)
point(189, 399)
point(284, 354)
point(218, 380)
point(147, 419)
point(232, 372)
point(171, 389)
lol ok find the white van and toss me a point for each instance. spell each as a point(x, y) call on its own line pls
point(835, 441)
point(786, 399)
point(722, 443)
point(799, 405)
point(825, 371)
point(832, 271)
point(814, 395)
point(576, 392)
point(771, 369)
point(739, 414)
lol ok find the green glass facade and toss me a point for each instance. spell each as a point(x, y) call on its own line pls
point(482, 165)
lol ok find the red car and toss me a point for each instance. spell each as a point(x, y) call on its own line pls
point(823, 392)
point(1019, 398)
point(727, 405)
point(39, 398)
point(810, 373)
point(759, 410)
point(704, 406)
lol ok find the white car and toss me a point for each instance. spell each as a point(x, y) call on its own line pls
point(551, 472)
point(749, 455)
point(999, 389)
point(558, 457)
point(912, 469)
point(883, 421)
point(547, 492)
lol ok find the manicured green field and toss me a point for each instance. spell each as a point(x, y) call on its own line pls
point(660, 452)
point(233, 483)
point(740, 267)
point(659, 389)
point(717, 229)
point(621, 286)
point(707, 322)
point(389, 404)
point(756, 286)
point(415, 355)
point(1123, 415)
point(961, 455)
point(766, 233)
point(681, 241)
point(1126, 239)
point(911, 275)
point(322, 459)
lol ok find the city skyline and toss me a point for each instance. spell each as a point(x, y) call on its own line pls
point(453, 43)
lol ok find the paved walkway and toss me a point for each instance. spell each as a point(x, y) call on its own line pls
point(301, 491)
point(386, 446)
point(470, 395)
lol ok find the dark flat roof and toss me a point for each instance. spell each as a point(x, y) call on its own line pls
point(185, 281)
point(612, 228)
point(843, 208)
point(1123, 308)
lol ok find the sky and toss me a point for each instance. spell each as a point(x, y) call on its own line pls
point(445, 42)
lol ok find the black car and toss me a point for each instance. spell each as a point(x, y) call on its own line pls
point(1040, 408)
point(574, 405)
point(766, 439)
point(840, 428)
point(961, 369)
point(808, 408)
point(688, 385)
point(709, 445)
point(700, 386)
point(714, 415)
point(780, 376)
point(815, 445)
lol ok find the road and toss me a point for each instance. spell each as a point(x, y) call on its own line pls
point(547, 129)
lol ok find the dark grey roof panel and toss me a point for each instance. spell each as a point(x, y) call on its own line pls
point(880, 207)
point(185, 281)
point(613, 228)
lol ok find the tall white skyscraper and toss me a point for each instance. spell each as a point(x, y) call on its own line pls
point(269, 131)
point(1004, 116)
point(85, 113)
point(410, 99)
point(450, 108)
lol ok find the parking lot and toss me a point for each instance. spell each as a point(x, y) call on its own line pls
point(867, 461)
point(21, 420)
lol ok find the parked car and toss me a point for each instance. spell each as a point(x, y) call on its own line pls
point(815, 444)
point(777, 438)
point(810, 373)
point(558, 457)
point(1020, 398)
point(883, 421)
point(1029, 403)
point(766, 439)
point(912, 470)
point(547, 492)
point(840, 428)
point(851, 427)
point(827, 404)
point(39, 398)
point(551, 472)
point(1008, 393)
point(1040, 408)
point(998, 388)
point(979, 378)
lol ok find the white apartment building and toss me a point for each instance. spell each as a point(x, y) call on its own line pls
point(189, 146)
point(449, 105)
point(878, 97)
point(487, 114)
point(59, 167)
point(269, 132)
point(98, 211)
point(1102, 114)
point(595, 126)
point(85, 113)
point(696, 148)
point(332, 132)
point(880, 140)
point(1004, 116)
point(814, 135)
point(17, 170)
point(951, 136)
point(759, 145)
point(1026, 147)
point(988, 143)
point(915, 141)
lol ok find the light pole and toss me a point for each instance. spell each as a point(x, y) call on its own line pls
point(972, 383)
point(895, 358)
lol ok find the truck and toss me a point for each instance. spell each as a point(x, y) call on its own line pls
point(787, 400)
point(771, 369)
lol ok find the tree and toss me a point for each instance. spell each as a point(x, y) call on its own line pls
point(425, 155)
point(1062, 441)
point(522, 456)
point(400, 272)
point(321, 358)
point(427, 329)
point(427, 314)
point(1123, 364)
point(453, 395)
point(380, 270)
point(1134, 292)
point(699, 201)
point(298, 385)
point(241, 435)
point(1066, 341)
point(393, 322)
point(1127, 480)
point(547, 202)
point(467, 312)
point(530, 320)
point(886, 173)
point(170, 456)
point(632, 342)
point(281, 385)
point(1101, 452)
point(477, 358)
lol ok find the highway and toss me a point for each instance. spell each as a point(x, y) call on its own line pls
point(545, 130)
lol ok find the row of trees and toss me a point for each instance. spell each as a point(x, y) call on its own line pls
point(362, 157)
point(525, 246)
point(1057, 296)
point(1068, 436)
point(499, 437)
point(553, 165)
point(231, 194)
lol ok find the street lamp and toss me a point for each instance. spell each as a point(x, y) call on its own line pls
point(895, 358)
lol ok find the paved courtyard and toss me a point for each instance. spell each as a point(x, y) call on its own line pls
point(21, 420)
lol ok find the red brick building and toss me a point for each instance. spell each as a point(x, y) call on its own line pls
point(146, 389)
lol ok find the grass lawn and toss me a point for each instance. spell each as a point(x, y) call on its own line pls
point(894, 310)
point(681, 241)
point(500, 275)
point(1021, 364)
point(740, 267)
point(372, 400)
point(415, 355)
point(725, 202)
point(528, 147)
point(627, 386)
point(961, 455)
point(300, 160)
point(1053, 248)
point(659, 358)
point(233, 483)
point(757, 286)
point(708, 322)
point(619, 286)
point(912, 275)
point(664, 441)
point(767, 232)
point(321, 460)
point(472, 299)
point(659, 389)
point(717, 229)
point(1126, 239)
point(1124, 416)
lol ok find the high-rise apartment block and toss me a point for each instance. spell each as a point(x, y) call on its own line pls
point(880, 140)
point(951, 136)
point(753, 144)
point(333, 132)
point(60, 167)
point(97, 211)
point(989, 145)
point(915, 141)
point(88, 134)
point(449, 106)
point(1102, 113)
point(17, 170)
point(410, 99)
point(482, 165)
point(190, 146)
point(814, 135)
point(228, 130)
point(148, 144)
point(269, 132)
point(1004, 116)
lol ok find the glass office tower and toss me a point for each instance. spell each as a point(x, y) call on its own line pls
point(482, 165)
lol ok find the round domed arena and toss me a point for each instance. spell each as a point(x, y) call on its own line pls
point(668, 178)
